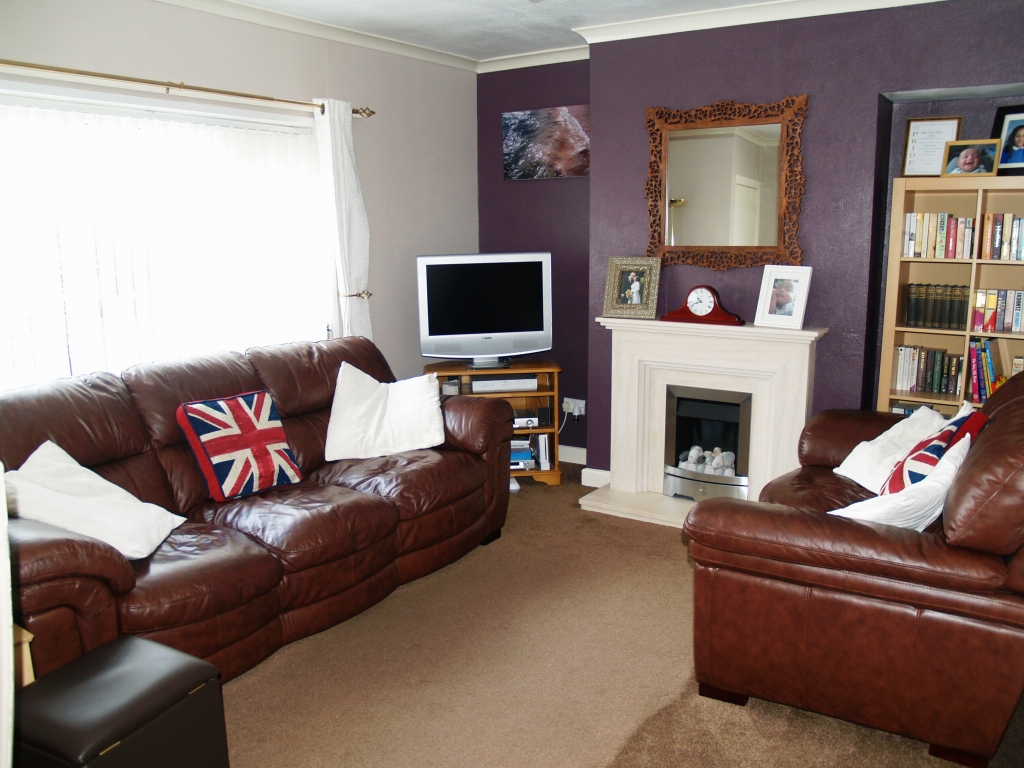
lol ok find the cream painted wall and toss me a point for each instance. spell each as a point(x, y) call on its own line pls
point(416, 156)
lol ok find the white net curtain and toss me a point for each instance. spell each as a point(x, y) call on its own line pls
point(128, 239)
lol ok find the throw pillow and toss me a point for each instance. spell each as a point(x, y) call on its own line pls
point(53, 488)
point(925, 456)
point(870, 463)
point(370, 419)
point(917, 506)
point(239, 444)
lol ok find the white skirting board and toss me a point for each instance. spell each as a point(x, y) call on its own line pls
point(570, 454)
point(595, 478)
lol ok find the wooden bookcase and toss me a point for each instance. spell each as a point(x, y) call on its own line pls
point(963, 197)
point(546, 395)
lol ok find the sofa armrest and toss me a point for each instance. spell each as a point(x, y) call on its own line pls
point(829, 436)
point(775, 532)
point(42, 553)
point(475, 424)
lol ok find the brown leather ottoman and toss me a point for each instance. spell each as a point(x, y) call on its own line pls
point(130, 702)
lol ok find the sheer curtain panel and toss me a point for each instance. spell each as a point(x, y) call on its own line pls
point(128, 239)
point(349, 235)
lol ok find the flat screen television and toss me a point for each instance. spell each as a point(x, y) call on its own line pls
point(487, 307)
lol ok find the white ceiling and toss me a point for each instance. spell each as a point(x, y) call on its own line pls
point(499, 34)
point(483, 29)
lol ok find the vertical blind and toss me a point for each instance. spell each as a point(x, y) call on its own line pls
point(130, 239)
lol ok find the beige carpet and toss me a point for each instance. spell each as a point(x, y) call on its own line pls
point(567, 642)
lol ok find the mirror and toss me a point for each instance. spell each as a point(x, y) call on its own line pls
point(725, 184)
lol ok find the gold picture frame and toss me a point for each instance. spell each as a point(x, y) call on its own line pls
point(988, 157)
point(631, 288)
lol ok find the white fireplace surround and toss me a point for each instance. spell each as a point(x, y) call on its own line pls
point(774, 365)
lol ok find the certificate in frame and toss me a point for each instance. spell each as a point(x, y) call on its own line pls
point(924, 152)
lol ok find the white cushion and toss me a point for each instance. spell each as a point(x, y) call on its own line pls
point(369, 418)
point(53, 488)
point(918, 505)
point(872, 461)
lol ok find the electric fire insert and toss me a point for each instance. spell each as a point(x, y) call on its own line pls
point(708, 418)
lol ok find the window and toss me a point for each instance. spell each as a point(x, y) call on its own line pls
point(127, 238)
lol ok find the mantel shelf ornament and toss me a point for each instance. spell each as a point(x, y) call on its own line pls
point(790, 113)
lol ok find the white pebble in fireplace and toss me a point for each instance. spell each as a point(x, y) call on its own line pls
point(771, 369)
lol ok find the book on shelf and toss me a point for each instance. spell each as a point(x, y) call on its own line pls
point(929, 243)
point(978, 322)
point(950, 249)
point(1018, 305)
point(975, 379)
point(1000, 310)
point(1014, 239)
point(997, 236)
point(1004, 253)
point(1017, 366)
point(986, 237)
point(991, 301)
point(940, 235)
point(920, 230)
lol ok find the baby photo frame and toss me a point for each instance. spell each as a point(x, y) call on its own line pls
point(783, 297)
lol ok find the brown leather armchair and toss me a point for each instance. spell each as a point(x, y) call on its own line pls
point(920, 634)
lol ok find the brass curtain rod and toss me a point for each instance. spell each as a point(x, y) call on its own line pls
point(361, 111)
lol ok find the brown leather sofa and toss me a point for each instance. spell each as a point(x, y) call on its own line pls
point(920, 634)
point(241, 578)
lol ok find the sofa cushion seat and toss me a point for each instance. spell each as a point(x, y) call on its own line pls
point(418, 482)
point(306, 525)
point(198, 572)
point(814, 489)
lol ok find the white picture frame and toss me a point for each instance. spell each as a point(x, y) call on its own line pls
point(924, 151)
point(793, 283)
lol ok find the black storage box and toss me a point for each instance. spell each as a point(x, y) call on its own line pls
point(129, 703)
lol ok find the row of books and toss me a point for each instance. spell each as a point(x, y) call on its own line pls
point(945, 236)
point(1001, 237)
point(997, 311)
point(986, 372)
point(938, 236)
point(937, 306)
point(928, 371)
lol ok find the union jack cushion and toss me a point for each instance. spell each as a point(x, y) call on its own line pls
point(239, 443)
point(923, 457)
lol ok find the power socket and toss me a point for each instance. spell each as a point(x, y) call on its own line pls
point(576, 407)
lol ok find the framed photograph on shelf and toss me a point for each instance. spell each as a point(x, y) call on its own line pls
point(924, 151)
point(783, 298)
point(978, 157)
point(1009, 129)
point(631, 289)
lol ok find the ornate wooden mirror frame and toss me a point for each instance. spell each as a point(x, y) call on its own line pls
point(790, 112)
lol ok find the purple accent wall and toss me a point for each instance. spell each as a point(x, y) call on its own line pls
point(541, 214)
point(843, 62)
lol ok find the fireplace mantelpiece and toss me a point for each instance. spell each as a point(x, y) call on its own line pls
point(774, 365)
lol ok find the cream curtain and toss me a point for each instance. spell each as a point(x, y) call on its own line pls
point(125, 240)
point(349, 231)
